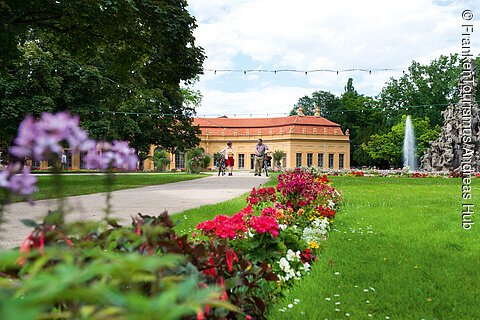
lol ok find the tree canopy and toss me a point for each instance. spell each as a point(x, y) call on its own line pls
point(423, 92)
point(124, 66)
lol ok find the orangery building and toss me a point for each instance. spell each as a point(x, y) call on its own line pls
point(305, 140)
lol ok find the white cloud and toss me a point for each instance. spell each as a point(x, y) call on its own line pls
point(309, 34)
point(272, 100)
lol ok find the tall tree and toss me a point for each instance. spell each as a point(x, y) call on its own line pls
point(326, 101)
point(423, 91)
point(118, 63)
point(363, 116)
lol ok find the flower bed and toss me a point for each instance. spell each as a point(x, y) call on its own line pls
point(229, 271)
point(284, 227)
point(405, 172)
point(103, 270)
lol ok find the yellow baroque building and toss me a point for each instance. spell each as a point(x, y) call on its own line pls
point(306, 141)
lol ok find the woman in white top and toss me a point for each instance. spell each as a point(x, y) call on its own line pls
point(229, 159)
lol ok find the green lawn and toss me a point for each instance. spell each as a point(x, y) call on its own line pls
point(398, 252)
point(79, 184)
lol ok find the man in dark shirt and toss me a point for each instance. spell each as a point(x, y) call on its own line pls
point(260, 150)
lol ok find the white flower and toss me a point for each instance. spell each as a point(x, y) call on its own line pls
point(297, 254)
point(291, 273)
point(290, 255)
point(306, 266)
point(282, 226)
point(284, 265)
point(290, 306)
point(331, 204)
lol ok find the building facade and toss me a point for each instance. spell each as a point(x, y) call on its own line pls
point(305, 140)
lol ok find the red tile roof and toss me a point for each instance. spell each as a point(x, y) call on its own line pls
point(267, 126)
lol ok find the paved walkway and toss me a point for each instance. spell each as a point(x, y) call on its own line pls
point(173, 197)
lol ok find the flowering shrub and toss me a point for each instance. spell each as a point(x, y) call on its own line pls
point(226, 227)
point(419, 175)
point(291, 266)
point(197, 160)
point(262, 195)
point(283, 226)
point(298, 188)
point(155, 261)
point(354, 173)
point(316, 233)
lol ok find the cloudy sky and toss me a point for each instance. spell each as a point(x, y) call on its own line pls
point(316, 34)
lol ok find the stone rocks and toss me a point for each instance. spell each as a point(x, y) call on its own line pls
point(445, 153)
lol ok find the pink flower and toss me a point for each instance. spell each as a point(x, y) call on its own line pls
point(261, 195)
point(23, 183)
point(17, 182)
point(270, 212)
point(206, 226)
point(264, 224)
point(106, 155)
point(224, 227)
point(40, 139)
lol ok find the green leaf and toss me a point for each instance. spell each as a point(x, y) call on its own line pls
point(29, 223)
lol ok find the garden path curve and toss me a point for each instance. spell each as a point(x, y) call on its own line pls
point(173, 197)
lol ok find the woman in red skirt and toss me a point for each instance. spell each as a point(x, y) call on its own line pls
point(229, 160)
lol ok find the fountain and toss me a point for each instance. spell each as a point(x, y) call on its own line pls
point(409, 146)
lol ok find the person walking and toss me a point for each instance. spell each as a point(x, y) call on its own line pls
point(64, 161)
point(260, 150)
point(229, 160)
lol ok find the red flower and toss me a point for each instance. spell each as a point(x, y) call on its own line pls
point(247, 210)
point(211, 271)
point(269, 212)
point(325, 179)
point(224, 226)
point(206, 226)
point(307, 256)
point(264, 224)
point(230, 256)
point(261, 195)
point(200, 315)
point(326, 212)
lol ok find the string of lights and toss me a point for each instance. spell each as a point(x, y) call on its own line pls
point(406, 108)
point(274, 71)
point(306, 72)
